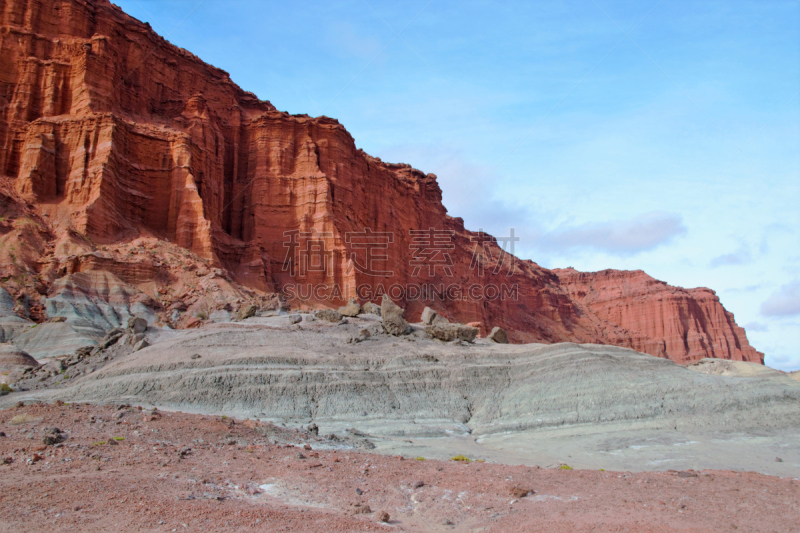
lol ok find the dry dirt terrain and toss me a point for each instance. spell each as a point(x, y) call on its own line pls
point(169, 471)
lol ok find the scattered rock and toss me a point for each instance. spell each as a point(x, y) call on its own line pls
point(328, 315)
point(428, 315)
point(352, 308)
point(195, 356)
point(295, 319)
point(382, 516)
point(137, 325)
point(140, 345)
point(439, 320)
point(392, 314)
point(111, 338)
point(518, 491)
point(478, 325)
point(14, 361)
point(49, 440)
point(57, 319)
point(192, 322)
point(778, 460)
point(498, 335)
point(246, 312)
point(313, 429)
point(687, 474)
point(359, 491)
point(452, 332)
point(371, 308)
point(362, 509)
point(417, 484)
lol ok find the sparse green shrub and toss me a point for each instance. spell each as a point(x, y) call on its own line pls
point(119, 439)
point(565, 467)
point(419, 458)
point(5, 388)
point(461, 459)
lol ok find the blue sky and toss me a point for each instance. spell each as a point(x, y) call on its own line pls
point(663, 135)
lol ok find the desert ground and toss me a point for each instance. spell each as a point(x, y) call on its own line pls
point(120, 468)
point(294, 423)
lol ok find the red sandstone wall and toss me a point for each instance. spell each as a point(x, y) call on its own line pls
point(109, 130)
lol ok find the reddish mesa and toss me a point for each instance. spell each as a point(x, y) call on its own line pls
point(109, 134)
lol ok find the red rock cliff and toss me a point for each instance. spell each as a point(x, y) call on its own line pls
point(681, 324)
point(109, 133)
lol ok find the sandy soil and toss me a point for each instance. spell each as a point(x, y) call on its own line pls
point(183, 472)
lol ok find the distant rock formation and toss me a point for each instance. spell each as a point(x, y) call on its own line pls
point(120, 152)
point(680, 324)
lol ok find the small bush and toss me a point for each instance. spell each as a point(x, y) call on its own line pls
point(419, 458)
point(565, 467)
point(461, 459)
point(518, 491)
point(5, 389)
point(98, 443)
point(119, 439)
point(23, 418)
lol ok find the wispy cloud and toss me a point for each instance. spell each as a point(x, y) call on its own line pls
point(618, 237)
point(783, 302)
point(741, 256)
point(756, 326)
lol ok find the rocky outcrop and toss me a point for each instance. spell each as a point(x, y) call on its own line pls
point(680, 324)
point(122, 153)
point(13, 362)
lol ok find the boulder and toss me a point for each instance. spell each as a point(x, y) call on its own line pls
point(392, 314)
point(247, 311)
point(111, 338)
point(352, 308)
point(137, 325)
point(452, 332)
point(498, 335)
point(476, 325)
point(439, 320)
point(371, 308)
point(328, 315)
point(13, 362)
point(428, 315)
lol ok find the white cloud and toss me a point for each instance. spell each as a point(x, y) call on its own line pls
point(783, 302)
point(618, 237)
point(739, 257)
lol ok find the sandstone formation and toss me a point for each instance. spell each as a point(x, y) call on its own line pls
point(681, 324)
point(123, 154)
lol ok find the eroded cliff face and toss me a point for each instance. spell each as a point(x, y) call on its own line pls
point(109, 134)
point(681, 324)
